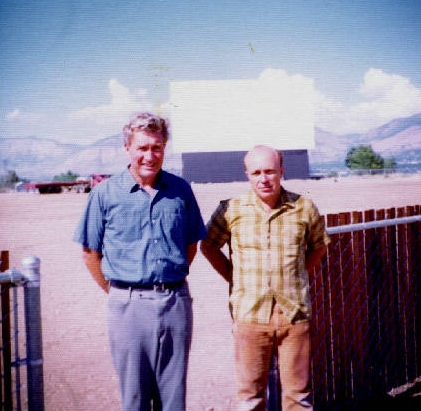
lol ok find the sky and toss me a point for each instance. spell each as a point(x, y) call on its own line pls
point(76, 70)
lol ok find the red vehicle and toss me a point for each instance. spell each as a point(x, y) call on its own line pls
point(97, 178)
point(80, 185)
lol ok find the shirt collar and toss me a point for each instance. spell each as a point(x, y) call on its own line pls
point(287, 198)
point(131, 185)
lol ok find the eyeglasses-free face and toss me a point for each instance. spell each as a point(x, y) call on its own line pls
point(146, 152)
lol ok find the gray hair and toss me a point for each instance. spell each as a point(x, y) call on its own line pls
point(147, 122)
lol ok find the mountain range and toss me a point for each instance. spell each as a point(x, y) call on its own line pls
point(36, 158)
point(399, 138)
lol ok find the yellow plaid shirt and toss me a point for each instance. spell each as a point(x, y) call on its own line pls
point(267, 251)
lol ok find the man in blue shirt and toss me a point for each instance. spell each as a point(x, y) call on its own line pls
point(139, 234)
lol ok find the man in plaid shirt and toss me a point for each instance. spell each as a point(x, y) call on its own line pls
point(274, 238)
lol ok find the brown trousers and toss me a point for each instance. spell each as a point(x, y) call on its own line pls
point(253, 351)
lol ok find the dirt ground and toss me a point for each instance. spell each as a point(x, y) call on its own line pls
point(78, 374)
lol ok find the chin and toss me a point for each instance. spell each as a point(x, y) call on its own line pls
point(148, 171)
point(266, 193)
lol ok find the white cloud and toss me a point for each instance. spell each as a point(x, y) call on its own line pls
point(85, 125)
point(114, 113)
point(13, 114)
point(384, 98)
point(17, 115)
point(95, 122)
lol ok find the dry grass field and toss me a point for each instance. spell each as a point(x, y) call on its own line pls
point(77, 365)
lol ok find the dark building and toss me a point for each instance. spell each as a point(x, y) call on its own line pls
point(226, 167)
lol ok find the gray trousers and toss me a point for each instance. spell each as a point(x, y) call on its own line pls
point(150, 335)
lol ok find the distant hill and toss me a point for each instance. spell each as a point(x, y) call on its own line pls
point(400, 139)
point(35, 158)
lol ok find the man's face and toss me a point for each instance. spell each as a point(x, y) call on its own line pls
point(264, 173)
point(146, 153)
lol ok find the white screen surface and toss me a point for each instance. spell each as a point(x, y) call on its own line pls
point(234, 115)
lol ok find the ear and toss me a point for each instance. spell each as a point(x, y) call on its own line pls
point(281, 170)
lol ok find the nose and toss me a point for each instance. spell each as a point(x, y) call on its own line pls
point(149, 154)
point(263, 177)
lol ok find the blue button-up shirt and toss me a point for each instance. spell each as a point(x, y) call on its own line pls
point(143, 238)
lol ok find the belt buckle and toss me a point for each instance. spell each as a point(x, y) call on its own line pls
point(159, 287)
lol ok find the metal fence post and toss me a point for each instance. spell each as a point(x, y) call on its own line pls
point(6, 395)
point(273, 392)
point(31, 272)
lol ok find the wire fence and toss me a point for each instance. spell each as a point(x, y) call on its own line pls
point(367, 306)
point(366, 301)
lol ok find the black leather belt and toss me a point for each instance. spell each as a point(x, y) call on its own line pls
point(136, 286)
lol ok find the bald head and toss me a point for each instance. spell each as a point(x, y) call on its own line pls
point(265, 151)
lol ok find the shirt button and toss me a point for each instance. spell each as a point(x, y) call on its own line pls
point(155, 241)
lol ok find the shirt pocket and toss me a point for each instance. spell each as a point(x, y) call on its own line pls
point(173, 221)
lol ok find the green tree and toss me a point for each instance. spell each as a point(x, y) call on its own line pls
point(363, 157)
point(69, 176)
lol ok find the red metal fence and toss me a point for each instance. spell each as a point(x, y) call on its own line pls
point(367, 308)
